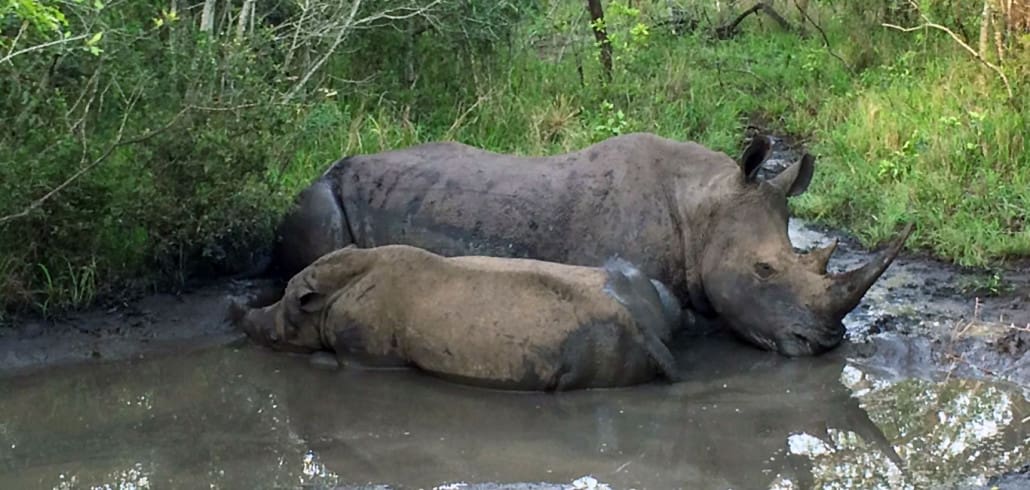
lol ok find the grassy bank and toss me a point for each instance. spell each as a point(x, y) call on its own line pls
point(906, 126)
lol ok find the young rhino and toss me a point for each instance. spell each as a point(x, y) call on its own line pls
point(497, 322)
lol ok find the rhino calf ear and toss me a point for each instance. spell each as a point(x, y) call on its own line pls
point(311, 301)
point(794, 179)
point(754, 155)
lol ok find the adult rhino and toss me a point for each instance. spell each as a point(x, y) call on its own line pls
point(498, 322)
point(693, 218)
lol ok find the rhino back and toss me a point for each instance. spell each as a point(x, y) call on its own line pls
point(500, 321)
point(580, 208)
point(488, 321)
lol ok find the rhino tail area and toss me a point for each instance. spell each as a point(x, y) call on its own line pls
point(650, 311)
point(315, 225)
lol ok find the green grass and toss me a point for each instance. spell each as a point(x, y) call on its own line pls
point(913, 131)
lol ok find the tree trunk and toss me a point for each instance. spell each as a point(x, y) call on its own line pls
point(1019, 16)
point(985, 28)
point(207, 17)
point(245, 15)
point(601, 35)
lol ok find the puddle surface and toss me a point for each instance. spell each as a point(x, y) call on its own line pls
point(249, 418)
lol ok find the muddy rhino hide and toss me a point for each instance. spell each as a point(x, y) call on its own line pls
point(498, 322)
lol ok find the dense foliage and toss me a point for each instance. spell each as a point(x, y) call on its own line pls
point(144, 143)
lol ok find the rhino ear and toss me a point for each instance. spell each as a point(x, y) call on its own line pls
point(754, 155)
point(311, 301)
point(794, 179)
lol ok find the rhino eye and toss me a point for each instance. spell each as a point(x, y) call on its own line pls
point(764, 270)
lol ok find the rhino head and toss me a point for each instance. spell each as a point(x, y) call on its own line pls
point(762, 290)
point(297, 322)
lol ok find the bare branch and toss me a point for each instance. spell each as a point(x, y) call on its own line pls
point(822, 33)
point(296, 35)
point(344, 28)
point(21, 31)
point(460, 120)
point(973, 52)
point(341, 35)
point(118, 142)
point(728, 30)
point(64, 40)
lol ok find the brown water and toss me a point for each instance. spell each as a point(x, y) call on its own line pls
point(248, 418)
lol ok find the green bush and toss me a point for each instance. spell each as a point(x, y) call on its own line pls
point(206, 138)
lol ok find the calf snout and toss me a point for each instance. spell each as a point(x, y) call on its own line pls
point(257, 323)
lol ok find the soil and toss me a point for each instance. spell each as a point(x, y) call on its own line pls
point(152, 325)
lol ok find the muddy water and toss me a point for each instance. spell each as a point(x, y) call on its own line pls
point(243, 417)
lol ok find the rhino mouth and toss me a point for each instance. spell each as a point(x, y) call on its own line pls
point(796, 344)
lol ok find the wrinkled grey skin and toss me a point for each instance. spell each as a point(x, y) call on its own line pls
point(692, 218)
point(596, 353)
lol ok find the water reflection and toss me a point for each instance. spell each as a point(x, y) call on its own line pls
point(947, 433)
point(135, 478)
point(247, 418)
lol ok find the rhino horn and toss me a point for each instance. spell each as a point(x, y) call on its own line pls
point(848, 288)
point(817, 259)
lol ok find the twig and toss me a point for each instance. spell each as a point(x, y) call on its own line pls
point(21, 31)
point(346, 27)
point(225, 108)
point(341, 35)
point(973, 52)
point(38, 47)
point(461, 119)
point(962, 359)
point(119, 142)
point(729, 29)
point(91, 83)
point(826, 39)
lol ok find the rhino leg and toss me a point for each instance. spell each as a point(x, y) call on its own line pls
point(660, 353)
point(578, 360)
point(315, 226)
point(607, 354)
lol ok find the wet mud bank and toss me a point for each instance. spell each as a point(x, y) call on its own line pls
point(153, 325)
